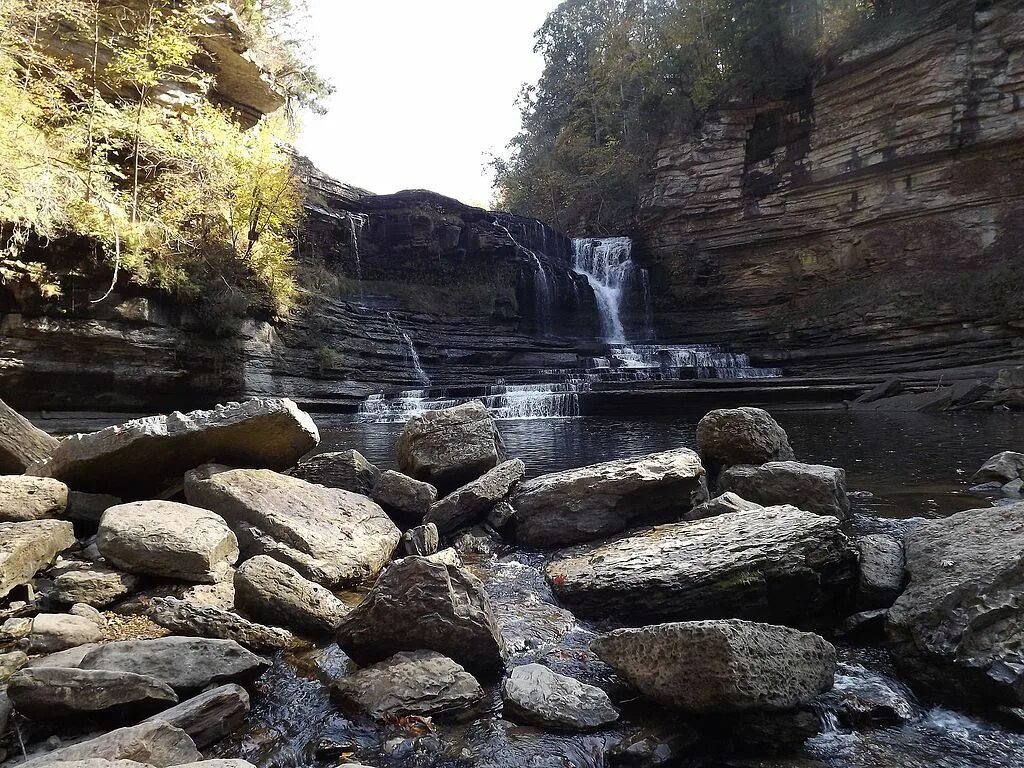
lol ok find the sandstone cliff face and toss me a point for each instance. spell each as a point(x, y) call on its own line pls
point(873, 223)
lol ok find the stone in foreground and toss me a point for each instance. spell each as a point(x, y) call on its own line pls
point(276, 593)
point(742, 436)
point(189, 619)
point(26, 548)
point(473, 501)
point(52, 632)
point(534, 694)
point(597, 501)
point(721, 666)
point(777, 564)
point(145, 457)
point(167, 539)
point(154, 744)
point(48, 693)
point(210, 716)
point(31, 498)
point(409, 683)
point(330, 536)
point(403, 497)
point(348, 470)
point(814, 487)
point(21, 443)
point(418, 604)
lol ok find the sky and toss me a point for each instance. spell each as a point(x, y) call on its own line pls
point(424, 90)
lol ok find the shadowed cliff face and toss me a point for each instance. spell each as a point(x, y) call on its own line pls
point(873, 223)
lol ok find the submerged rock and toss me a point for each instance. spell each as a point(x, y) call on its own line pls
point(21, 443)
point(31, 498)
point(48, 693)
point(27, 548)
point(210, 716)
point(813, 487)
point(143, 458)
point(403, 497)
point(742, 436)
point(276, 593)
point(597, 501)
point(183, 617)
point(721, 505)
point(534, 694)
point(154, 743)
point(348, 470)
point(473, 501)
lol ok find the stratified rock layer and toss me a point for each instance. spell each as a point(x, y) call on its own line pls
point(25, 548)
point(21, 444)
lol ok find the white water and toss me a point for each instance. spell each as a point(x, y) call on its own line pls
point(356, 222)
point(412, 354)
point(545, 289)
point(608, 265)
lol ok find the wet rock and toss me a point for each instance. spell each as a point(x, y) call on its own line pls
point(26, 548)
point(278, 594)
point(501, 515)
point(649, 750)
point(21, 443)
point(881, 571)
point(403, 497)
point(348, 470)
point(98, 585)
point(187, 664)
point(47, 693)
point(210, 716)
point(813, 487)
point(534, 694)
point(956, 627)
point(473, 501)
point(450, 448)
point(1003, 468)
point(721, 666)
point(603, 499)
point(89, 507)
point(189, 619)
point(742, 436)
point(866, 626)
point(155, 744)
point(417, 604)
point(167, 539)
point(721, 505)
point(421, 540)
point(777, 564)
point(409, 683)
point(143, 458)
point(53, 632)
point(10, 663)
point(330, 536)
point(31, 498)
point(478, 541)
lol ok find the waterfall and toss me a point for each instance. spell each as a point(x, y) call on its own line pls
point(545, 289)
point(413, 355)
point(608, 265)
point(356, 222)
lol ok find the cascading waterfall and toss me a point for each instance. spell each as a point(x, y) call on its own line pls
point(608, 265)
point(545, 289)
point(356, 222)
point(413, 355)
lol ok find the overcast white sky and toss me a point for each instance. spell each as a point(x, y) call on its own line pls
point(424, 89)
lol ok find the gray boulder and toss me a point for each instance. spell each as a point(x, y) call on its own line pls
point(814, 487)
point(741, 436)
point(210, 716)
point(189, 619)
point(418, 604)
point(473, 501)
point(154, 744)
point(72, 657)
point(721, 666)
point(53, 632)
point(881, 571)
point(451, 447)
point(49, 693)
point(31, 498)
point(167, 539)
point(278, 594)
point(348, 470)
point(721, 505)
point(21, 443)
point(26, 548)
point(777, 564)
point(422, 540)
point(534, 694)
point(145, 457)
point(1003, 468)
point(330, 536)
point(96, 585)
point(403, 497)
point(597, 501)
point(409, 683)
point(10, 663)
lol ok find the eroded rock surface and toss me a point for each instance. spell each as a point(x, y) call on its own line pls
point(26, 548)
point(155, 743)
point(46, 693)
point(189, 619)
point(348, 470)
point(535, 694)
point(473, 501)
point(742, 436)
point(278, 594)
point(814, 487)
point(21, 443)
point(31, 498)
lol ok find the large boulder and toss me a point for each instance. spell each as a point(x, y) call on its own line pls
point(721, 666)
point(95, 585)
point(956, 629)
point(814, 487)
point(741, 436)
point(154, 744)
point(31, 498)
point(348, 470)
point(404, 498)
point(449, 448)
point(189, 619)
point(418, 604)
point(164, 538)
point(21, 443)
point(27, 548)
point(1003, 468)
point(473, 501)
point(145, 457)
point(278, 594)
point(330, 536)
point(777, 564)
point(597, 501)
point(409, 683)
point(48, 693)
point(52, 632)
point(534, 694)
point(210, 716)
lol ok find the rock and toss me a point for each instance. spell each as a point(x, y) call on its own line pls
point(721, 505)
point(741, 436)
point(72, 657)
point(417, 604)
point(1008, 388)
point(15, 629)
point(409, 683)
point(187, 664)
point(330, 536)
point(88, 612)
point(167, 539)
point(501, 515)
point(21, 444)
point(865, 626)
point(534, 694)
point(813, 487)
point(9, 664)
point(189, 619)
point(887, 388)
point(721, 666)
point(154, 744)
point(956, 627)
point(473, 501)
point(450, 448)
point(26, 548)
point(348, 470)
point(479, 541)
point(1003, 468)
point(276, 593)
point(210, 716)
point(89, 507)
point(777, 564)
point(402, 497)
point(881, 571)
point(448, 556)
point(97, 585)
point(421, 540)
point(594, 502)
point(47, 693)
point(53, 632)
point(143, 458)
point(31, 498)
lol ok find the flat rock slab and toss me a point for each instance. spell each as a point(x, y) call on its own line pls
point(721, 666)
point(600, 500)
point(348, 470)
point(777, 564)
point(278, 594)
point(145, 457)
point(31, 498)
point(27, 548)
point(210, 716)
point(21, 443)
point(330, 536)
point(48, 693)
point(742, 436)
point(154, 744)
point(815, 487)
point(534, 694)
point(473, 501)
point(52, 632)
point(189, 619)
